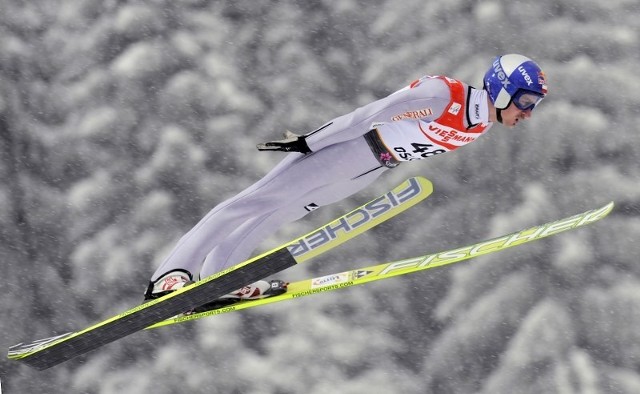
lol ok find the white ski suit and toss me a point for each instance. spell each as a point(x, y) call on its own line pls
point(432, 115)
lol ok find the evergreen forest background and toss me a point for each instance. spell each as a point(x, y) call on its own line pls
point(123, 122)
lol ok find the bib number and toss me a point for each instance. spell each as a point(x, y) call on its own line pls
point(420, 151)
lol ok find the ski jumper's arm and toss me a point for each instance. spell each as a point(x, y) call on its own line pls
point(424, 99)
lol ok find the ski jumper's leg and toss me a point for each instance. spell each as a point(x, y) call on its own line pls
point(239, 245)
point(295, 177)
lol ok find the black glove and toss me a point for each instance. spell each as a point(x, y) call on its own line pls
point(291, 143)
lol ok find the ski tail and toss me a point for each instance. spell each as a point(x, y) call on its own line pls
point(407, 266)
point(49, 352)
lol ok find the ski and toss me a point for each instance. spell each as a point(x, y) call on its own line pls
point(360, 276)
point(48, 352)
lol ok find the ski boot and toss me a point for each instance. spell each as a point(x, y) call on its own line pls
point(167, 283)
point(254, 291)
point(177, 279)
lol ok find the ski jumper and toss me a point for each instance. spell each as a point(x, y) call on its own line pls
point(432, 115)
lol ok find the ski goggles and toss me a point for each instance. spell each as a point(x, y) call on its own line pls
point(526, 99)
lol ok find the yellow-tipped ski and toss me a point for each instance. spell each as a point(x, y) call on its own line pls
point(402, 267)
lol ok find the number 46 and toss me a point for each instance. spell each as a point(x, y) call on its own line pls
point(425, 150)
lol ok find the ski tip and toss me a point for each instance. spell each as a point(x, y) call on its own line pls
point(605, 209)
point(426, 184)
point(418, 187)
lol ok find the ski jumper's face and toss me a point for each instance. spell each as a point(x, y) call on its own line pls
point(512, 115)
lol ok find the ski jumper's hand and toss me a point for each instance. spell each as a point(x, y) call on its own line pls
point(291, 143)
